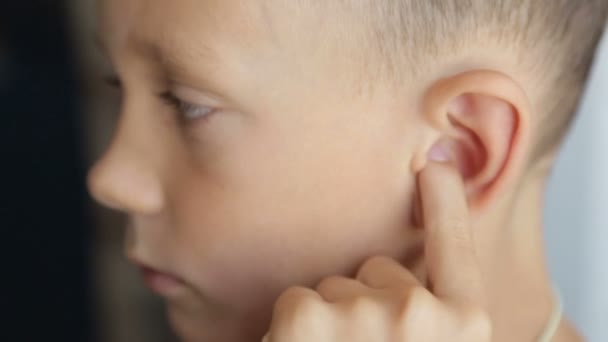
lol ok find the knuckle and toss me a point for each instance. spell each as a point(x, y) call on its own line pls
point(329, 283)
point(361, 305)
point(308, 307)
point(414, 305)
point(415, 309)
point(288, 296)
point(298, 310)
point(477, 325)
point(294, 299)
point(371, 265)
point(364, 312)
point(419, 296)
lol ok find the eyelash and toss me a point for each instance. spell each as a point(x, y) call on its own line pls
point(182, 107)
point(188, 111)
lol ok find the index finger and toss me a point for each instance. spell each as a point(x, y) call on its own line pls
point(451, 260)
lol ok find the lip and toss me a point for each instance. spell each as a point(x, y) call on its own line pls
point(160, 282)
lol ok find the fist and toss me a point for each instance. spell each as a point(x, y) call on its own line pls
point(385, 302)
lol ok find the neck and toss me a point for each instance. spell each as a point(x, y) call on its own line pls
point(513, 259)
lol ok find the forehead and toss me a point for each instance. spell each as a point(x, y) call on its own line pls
point(267, 37)
point(134, 21)
point(124, 22)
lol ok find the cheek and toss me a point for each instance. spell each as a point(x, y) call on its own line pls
point(289, 210)
point(284, 222)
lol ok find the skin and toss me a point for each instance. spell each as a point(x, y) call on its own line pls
point(238, 205)
point(299, 173)
point(385, 302)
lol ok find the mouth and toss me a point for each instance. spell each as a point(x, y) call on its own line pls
point(160, 282)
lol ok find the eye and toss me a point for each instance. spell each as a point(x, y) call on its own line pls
point(188, 111)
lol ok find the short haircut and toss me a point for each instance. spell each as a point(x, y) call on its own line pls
point(553, 39)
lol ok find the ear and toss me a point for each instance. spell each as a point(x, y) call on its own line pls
point(479, 120)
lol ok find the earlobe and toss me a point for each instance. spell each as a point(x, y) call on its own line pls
point(480, 123)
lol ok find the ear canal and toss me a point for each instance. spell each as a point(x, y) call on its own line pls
point(462, 148)
point(469, 150)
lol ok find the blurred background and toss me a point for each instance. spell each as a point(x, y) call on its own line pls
point(67, 279)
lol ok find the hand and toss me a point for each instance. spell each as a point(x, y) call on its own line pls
point(386, 302)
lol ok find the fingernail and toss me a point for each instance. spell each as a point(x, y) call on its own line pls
point(439, 153)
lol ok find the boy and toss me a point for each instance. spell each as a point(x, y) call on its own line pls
point(270, 144)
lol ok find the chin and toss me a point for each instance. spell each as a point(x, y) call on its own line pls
point(189, 329)
point(202, 328)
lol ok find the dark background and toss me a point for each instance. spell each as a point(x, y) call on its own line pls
point(45, 226)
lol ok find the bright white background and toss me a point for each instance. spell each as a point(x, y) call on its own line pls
point(577, 212)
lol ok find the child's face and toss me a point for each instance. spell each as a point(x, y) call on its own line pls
point(295, 175)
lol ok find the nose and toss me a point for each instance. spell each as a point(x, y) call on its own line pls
point(125, 185)
point(126, 179)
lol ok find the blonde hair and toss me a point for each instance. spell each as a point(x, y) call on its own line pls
point(556, 38)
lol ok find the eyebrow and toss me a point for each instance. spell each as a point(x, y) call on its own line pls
point(161, 50)
point(176, 60)
point(180, 55)
point(142, 47)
